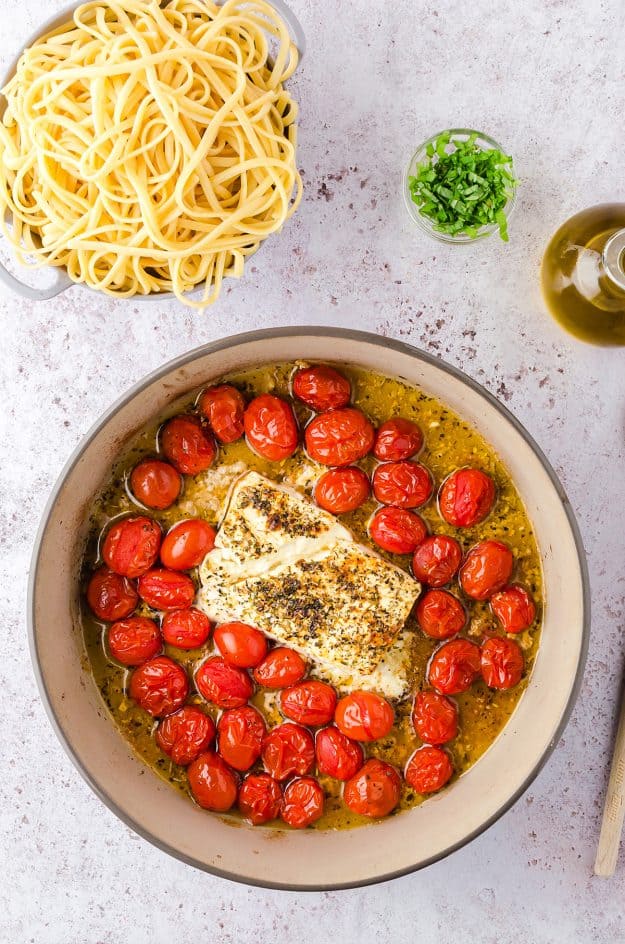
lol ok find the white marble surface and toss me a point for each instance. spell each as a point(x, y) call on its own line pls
point(547, 80)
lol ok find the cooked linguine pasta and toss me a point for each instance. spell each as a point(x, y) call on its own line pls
point(150, 147)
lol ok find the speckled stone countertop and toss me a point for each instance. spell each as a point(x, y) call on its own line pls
point(547, 80)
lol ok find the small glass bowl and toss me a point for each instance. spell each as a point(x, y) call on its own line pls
point(420, 156)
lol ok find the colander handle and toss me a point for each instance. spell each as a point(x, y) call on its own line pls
point(62, 283)
point(294, 25)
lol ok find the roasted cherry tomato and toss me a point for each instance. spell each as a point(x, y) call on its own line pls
point(241, 644)
point(402, 484)
point(466, 497)
point(280, 668)
point(111, 596)
point(134, 640)
point(271, 427)
point(514, 608)
point(184, 735)
point(260, 799)
point(240, 736)
point(189, 447)
point(397, 439)
point(131, 545)
point(364, 716)
point(160, 686)
point(436, 560)
point(342, 490)
point(397, 530)
point(155, 484)
point(435, 718)
point(213, 785)
point(223, 684)
point(502, 662)
point(166, 589)
point(302, 803)
point(339, 437)
point(186, 629)
point(486, 569)
point(374, 791)
point(187, 544)
point(440, 614)
point(287, 750)
point(321, 388)
point(454, 667)
point(224, 406)
point(428, 770)
point(337, 755)
point(310, 703)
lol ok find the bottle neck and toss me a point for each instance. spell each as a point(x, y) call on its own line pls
point(613, 258)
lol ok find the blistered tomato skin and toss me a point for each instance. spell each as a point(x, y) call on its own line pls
point(213, 784)
point(131, 546)
point(240, 734)
point(134, 640)
point(155, 484)
point(160, 686)
point(397, 439)
point(186, 544)
point(374, 791)
point(466, 497)
point(397, 530)
point(337, 755)
point(364, 716)
point(222, 684)
point(321, 388)
point(186, 629)
point(436, 560)
point(280, 668)
point(271, 428)
point(486, 569)
point(514, 608)
point(288, 750)
point(189, 447)
point(502, 663)
point(428, 769)
point(166, 590)
point(339, 437)
point(454, 667)
point(434, 718)
point(111, 596)
point(402, 484)
point(440, 614)
point(260, 799)
point(342, 490)
point(302, 804)
point(184, 735)
point(224, 408)
point(311, 703)
point(240, 644)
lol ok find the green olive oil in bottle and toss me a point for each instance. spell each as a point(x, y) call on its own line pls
point(583, 275)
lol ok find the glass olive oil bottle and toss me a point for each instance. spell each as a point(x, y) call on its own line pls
point(583, 274)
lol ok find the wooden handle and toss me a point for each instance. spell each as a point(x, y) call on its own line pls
point(614, 809)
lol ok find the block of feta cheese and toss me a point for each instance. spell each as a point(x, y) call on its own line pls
point(286, 566)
